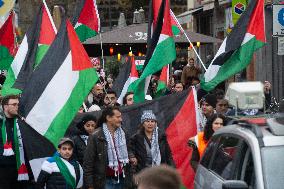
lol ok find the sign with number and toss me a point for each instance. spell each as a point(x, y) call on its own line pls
point(278, 20)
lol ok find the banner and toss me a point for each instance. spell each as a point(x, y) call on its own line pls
point(238, 7)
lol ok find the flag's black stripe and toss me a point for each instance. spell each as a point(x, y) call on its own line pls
point(79, 6)
point(32, 34)
point(165, 108)
point(152, 41)
point(44, 73)
point(35, 145)
point(236, 37)
point(122, 77)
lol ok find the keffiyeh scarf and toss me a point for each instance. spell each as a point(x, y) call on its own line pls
point(155, 149)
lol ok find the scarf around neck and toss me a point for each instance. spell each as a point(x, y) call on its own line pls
point(116, 149)
point(155, 149)
point(18, 146)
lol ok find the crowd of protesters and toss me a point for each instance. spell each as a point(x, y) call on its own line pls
point(101, 155)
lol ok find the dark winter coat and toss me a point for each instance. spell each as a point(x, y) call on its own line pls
point(79, 148)
point(51, 177)
point(137, 147)
point(96, 162)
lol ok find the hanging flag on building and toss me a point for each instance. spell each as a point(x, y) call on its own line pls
point(238, 48)
point(8, 44)
point(32, 49)
point(54, 94)
point(160, 46)
point(86, 19)
point(238, 7)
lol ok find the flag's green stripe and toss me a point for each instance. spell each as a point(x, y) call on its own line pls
point(161, 89)
point(84, 32)
point(165, 53)
point(61, 122)
point(41, 51)
point(175, 30)
point(65, 172)
point(5, 58)
point(238, 61)
point(8, 84)
point(183, 187)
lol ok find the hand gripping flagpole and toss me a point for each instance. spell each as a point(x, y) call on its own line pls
point(182, 30)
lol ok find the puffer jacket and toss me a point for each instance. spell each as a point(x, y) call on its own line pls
point(79, 148)
point(138, 148)
point(51, 177)
point(96, 162)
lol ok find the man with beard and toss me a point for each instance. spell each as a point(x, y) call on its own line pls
point(189, 71)
point(96, 96)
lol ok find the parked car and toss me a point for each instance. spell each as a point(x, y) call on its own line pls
point(249, 154)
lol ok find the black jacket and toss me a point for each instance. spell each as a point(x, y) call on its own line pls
point(96, 162)
point(79, 149)
point(137, 147)
point(51, 177)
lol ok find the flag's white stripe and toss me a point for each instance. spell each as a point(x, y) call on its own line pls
point(248, 37)
point(20, 57)
point(162, 38)
point(77, 25)
point(51, 103)
point(125, 88)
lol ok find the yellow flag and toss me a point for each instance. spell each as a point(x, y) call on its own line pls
point(6, 6)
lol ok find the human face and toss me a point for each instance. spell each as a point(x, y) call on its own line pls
point(110, 99)
point(66, 151)
point(217, 124)
point(149, 125)
point(207, 109)
point(129, 100)
point(97, 90)
point(191, 63)
point(11, 109)
point(97, 66)
point(222, 106)
point(115, 120)
point(90, 127)
point(178, 87)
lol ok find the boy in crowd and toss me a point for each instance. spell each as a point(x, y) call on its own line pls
point(60, 171)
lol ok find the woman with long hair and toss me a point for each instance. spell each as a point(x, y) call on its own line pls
point(149, 145)
point(214, 122)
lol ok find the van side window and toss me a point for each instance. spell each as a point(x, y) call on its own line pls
point(208, 154)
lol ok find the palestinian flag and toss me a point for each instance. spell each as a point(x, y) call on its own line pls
point(161, 46)
point(54, 94)
point(163, 82)
point(86, 19)
point(238, 48)
point(32, 49)
point(176, 27)
point(7, 43)
point(127, 75)
point(47, 34)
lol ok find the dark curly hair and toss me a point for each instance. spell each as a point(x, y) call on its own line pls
point(208, 130)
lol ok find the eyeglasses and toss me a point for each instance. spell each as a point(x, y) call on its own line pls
point(14, 104)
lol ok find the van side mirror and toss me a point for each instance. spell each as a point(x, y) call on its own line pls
point(234, 184)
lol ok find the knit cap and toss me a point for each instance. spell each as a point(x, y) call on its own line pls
point(211, 100)
point(148, 115)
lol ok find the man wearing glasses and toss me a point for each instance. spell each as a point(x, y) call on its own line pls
point(12, 164)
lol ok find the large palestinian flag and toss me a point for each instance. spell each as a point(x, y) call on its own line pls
point(238, 48)
point(7, 43)
point(54, 94)
point(86, 19)
point(160, 48)
point(33, 47)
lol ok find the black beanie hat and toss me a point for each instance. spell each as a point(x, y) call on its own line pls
point(211, 100)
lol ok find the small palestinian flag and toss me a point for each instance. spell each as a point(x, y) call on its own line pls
point(161, 46)
point(54, 93)
point(7, 43)
point(86, 19)
point(238, 48)
point(127, 75)
point(163, 82)
point(176, 27)
point(32, 49)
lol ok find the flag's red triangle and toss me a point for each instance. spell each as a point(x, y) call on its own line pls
point(47, 33)
point(7, 36)
point(89, 16)
point(80, 59)
point(164, 74)
point(133, 72)
point(256, 25)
